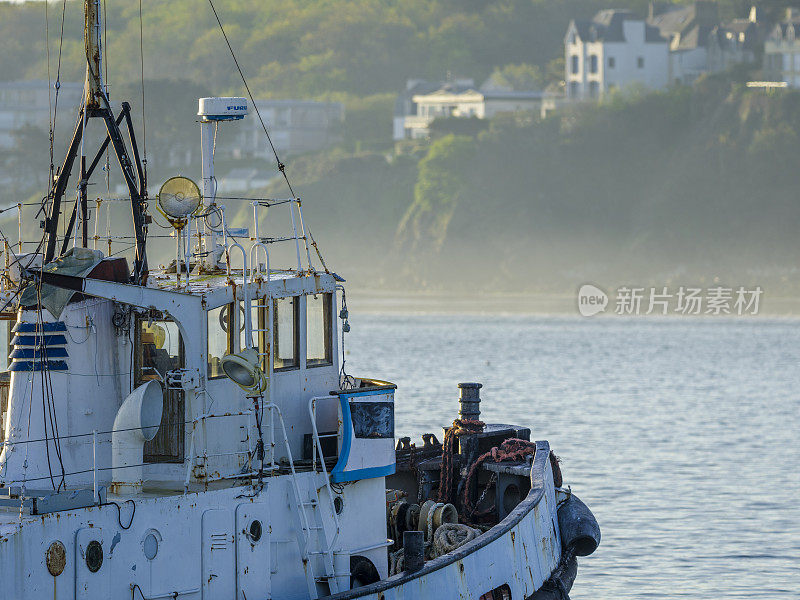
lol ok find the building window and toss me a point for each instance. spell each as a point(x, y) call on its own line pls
point(318, 330)
point(574, 64)
point(640, 62)
point(573, 89)
point(593, 63)
point(594, 89)
point(286, 336)
point(611, 62)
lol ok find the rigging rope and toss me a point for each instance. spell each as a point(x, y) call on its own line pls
point(281, 166)
point(447, 476)
point(49, 85)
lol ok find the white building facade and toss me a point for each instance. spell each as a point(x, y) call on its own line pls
point(460, 100)
point(28, 103)
point(295, 126)
point(782, 51)
point(614, 50)
point(699, 43)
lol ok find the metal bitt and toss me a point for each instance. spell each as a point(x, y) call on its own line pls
point(413, 550)
point(469, 401)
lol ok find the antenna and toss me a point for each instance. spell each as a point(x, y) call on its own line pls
point(212, 112)
point(96, 105)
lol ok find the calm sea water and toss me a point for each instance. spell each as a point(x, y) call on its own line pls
point(682, 436)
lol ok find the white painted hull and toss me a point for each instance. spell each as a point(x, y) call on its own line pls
point(205, 550)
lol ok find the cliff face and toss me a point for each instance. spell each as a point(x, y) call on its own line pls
point(694, 183)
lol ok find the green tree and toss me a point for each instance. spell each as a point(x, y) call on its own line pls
point(440, 183)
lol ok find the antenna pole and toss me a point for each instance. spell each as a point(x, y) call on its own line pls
point(96, 105)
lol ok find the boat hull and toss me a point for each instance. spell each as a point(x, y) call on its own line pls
point(518, 555)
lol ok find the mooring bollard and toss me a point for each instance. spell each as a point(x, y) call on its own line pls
point(413, 550)
point(469, 401)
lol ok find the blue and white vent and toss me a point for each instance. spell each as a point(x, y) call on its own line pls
point(39, 346)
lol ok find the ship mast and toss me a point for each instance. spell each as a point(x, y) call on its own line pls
point(95, 105)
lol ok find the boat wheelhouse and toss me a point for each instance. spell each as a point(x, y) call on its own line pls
point(190, 432)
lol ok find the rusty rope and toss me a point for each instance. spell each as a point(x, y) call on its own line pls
point(446, 478)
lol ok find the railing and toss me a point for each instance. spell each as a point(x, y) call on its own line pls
point(317, 446)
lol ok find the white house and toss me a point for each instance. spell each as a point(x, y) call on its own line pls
point(614, 50)
point(29, 103)
point(462, 99)
point(295, 126)
point(699, 43)
point(782, 50)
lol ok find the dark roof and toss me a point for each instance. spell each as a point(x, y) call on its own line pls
point(512, 95)
point(606, 26)
point(401, 103)
point(696, 37)
point(686, 26)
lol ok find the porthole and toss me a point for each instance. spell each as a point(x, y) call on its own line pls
point(56, 558)
point(255, 530)
point(94, 556)
point(150, 546)
point(338, 505)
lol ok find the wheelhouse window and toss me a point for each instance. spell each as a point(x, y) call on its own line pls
point(220, 322)
point(258, 320)
point(318, 330)
point(286, 335)
point(7, 322)
point(159, 349)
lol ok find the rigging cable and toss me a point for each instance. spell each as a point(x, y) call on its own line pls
point(281, 166)
point(49, 91)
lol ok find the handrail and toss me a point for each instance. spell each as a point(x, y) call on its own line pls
point(248, 321)
point(312, 411)
point(304, 523)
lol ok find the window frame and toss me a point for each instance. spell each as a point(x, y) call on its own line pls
point(229, 347)
point(327, 331)
point(296, 331)
point(173, 399)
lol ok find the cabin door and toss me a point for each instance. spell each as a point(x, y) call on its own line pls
point(159, 349)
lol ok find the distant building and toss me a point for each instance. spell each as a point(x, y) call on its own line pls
point(295, 126)
point(614, 50)
point(699, 43)
point(406, 109)
point(458, 99)
point(29, 103)
point(782, 50)
point(242, 180)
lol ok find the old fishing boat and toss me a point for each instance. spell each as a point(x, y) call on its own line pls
point(189, 431)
